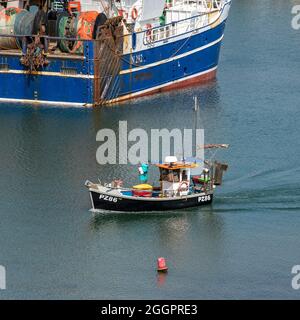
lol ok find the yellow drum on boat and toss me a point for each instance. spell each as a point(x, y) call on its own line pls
point(143, 187)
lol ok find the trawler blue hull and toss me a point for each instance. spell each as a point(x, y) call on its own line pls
point(72, 80)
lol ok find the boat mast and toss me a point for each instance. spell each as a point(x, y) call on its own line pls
point(196, 108)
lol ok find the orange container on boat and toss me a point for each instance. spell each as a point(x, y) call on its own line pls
point(85, 26)
point(74, 6)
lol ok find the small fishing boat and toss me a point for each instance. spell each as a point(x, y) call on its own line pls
point(177, 189)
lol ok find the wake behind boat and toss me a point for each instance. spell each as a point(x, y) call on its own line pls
point(177, 189)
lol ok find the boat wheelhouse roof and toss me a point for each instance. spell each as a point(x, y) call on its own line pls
point(177, 165)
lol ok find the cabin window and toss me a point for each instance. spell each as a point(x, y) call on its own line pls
point(176, 175)
point(170, 175)
point(164, 175)
point(184, 175)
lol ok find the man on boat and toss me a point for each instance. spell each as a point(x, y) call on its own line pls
point(143, 173)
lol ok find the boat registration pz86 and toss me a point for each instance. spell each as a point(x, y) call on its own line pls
point(204, 198)
point(108, 198)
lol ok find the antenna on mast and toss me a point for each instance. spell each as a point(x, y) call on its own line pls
point(196, 109)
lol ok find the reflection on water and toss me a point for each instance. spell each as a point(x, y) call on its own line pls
point(155, 112)
point(161, 279)
point(171, 230)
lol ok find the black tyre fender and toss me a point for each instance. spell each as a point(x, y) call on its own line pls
point(100, 20)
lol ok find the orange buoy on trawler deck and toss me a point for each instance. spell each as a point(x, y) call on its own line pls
point(162, 265)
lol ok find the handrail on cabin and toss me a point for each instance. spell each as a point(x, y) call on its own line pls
point(177, 22)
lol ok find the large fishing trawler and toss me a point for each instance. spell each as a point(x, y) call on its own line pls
point(96, 52)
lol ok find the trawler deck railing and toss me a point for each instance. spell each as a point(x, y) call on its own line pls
point(198, 3)
point(183, 26)
point(148, 37)
point(178, 28)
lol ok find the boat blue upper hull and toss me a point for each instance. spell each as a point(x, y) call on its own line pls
point(69, 80)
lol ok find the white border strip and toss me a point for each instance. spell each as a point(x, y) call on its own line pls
point(47, 73)
point(154, 64)
point(132, 95)
point(53, 103)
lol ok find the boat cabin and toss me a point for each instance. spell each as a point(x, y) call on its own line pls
point(175, 177)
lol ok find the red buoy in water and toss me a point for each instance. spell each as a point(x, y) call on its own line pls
point(161, 265)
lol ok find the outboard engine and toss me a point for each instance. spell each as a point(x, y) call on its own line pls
point(219, 169)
